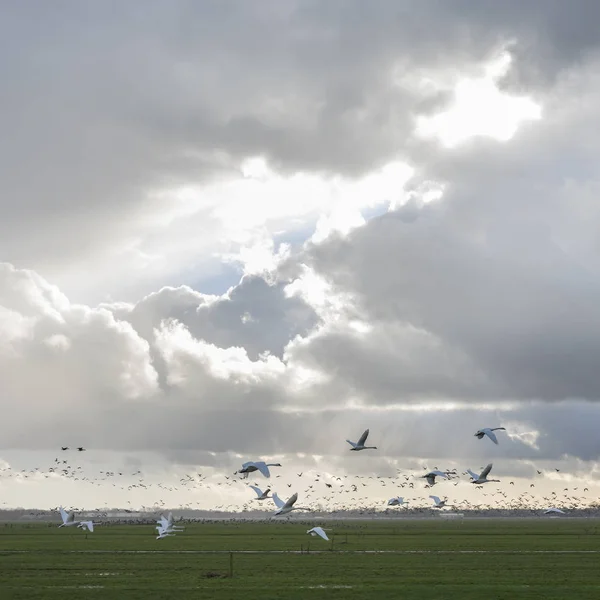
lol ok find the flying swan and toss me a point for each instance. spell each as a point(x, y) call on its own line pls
point(250, 467)
point(360, 445)
point(490, 433)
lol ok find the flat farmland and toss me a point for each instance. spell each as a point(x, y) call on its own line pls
point(416, 559)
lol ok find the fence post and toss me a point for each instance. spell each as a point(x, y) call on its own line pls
point(231, 564)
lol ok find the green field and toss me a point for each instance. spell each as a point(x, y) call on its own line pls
point(418, 559)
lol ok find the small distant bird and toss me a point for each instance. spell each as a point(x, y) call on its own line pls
point(64, 447)
point(81, 449)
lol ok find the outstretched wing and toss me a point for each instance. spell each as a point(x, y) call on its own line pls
point(486, 471)
point(291, 500)
point(435, 499)
point(430, 479)
point(64, 515)
point(279, 503)
point(257, 490)
point(163, 521)
point(473, 475)
point(492, 436)
point(351, 443)
point(262, 467)
point(363, 438)
point(319, 531)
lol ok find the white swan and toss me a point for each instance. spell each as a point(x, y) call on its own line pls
point(260, 494)
point(437, 502)
point(554, 510)
point(490, 433)
point(68, 519)
point(250, 467)
point(168, 523)
point(482, 478)
point(399, 501)
point(360, 445)
point(432, 475)
point(286, 507)
point(87, 525)
point(318, 531)
point(163, 532)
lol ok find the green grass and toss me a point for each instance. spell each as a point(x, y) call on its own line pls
point(421, 560)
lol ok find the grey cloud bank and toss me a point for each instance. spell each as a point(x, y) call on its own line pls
point(486, 297)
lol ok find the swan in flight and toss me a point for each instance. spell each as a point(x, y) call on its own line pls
point(318, 531)
point(432, 475)
point(437, 502)
point(554, 510)
point(490, 433)
point(163, 532)
point(360, 445)
point(399, 501)
point(68, 519)
point(250, 467)
point(260, 494)
point(87, 525)
point(482, 478)
point(286, 507)
point(168, 523)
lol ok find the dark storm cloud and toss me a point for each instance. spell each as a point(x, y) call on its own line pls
point(105, 101)
point(254, 315)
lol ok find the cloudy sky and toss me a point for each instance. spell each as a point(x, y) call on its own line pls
point(250, 230)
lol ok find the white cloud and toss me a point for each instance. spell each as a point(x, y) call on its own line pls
point(480, 108)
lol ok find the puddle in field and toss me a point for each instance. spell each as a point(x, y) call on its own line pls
point(101, 574)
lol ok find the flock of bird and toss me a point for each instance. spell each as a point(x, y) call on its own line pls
point(165, 525)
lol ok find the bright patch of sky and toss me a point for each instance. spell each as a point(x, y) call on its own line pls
point(480, 108)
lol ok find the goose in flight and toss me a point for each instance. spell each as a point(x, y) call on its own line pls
point(318, 531)
point(482, 478)
point(399, 501)
point(489, 432)
point(437, 502)
point(68, 519)
point(260, 494)
point(360, 445)
point(432, 475)
point(250, 467)
point(286, 507)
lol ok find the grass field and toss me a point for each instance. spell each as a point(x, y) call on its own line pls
point(418, 559)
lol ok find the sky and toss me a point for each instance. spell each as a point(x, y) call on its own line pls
point(249, 231)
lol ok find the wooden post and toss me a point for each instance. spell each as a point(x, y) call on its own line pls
point(231, 564)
